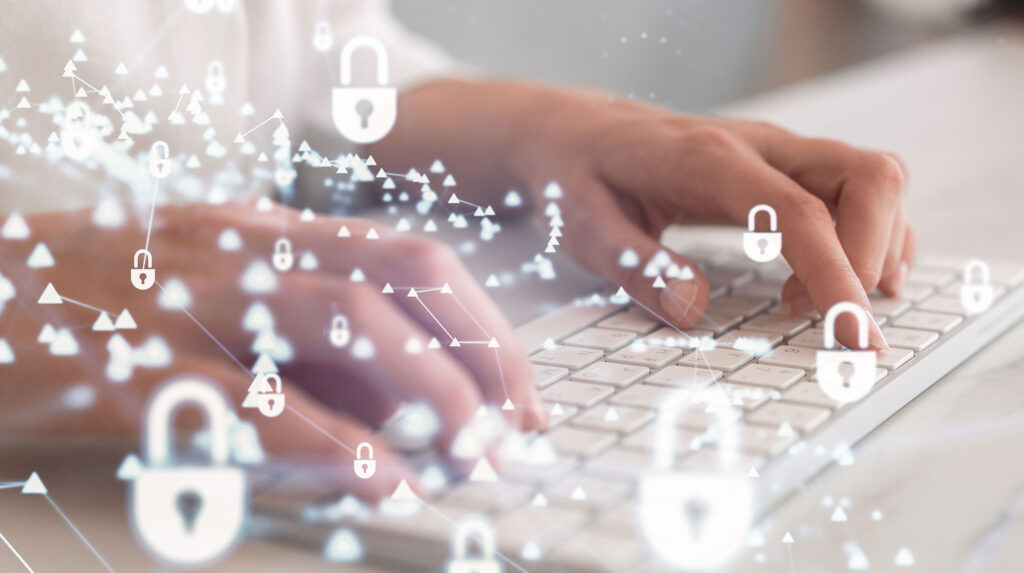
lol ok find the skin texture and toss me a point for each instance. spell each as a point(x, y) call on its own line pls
point(627, 171)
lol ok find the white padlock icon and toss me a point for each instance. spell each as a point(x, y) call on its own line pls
point(188, 514)
point(364, 467)
point(216, 80)
point(364, 114)
point(976, 294)
point(762, 247)
point(143, 272)
point(283, 257)
point(469, 530)
point(846, 387)
point(323, 37)
point(78, 138)
point(160, 160)
point(340, 334)
point(695, 519)
point(271, 404)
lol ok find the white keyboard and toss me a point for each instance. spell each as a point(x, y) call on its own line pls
point(592, 358)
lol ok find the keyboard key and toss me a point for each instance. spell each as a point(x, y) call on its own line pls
point(747, 397)
point(809, 393)
point(576, 442)
point(554, 418)
point(546, 526)
point(880, 373)
point(592, 550)
point(489, 496)
point(679, 376)
point(618, 375)
point(938, 322)
point(953, 290)
point(643, 440)
point(544, 376)
point(777, 377)
point(719, 322)
point(671, 338)
point(890, 307)
point(596, 493)
point(619, 419)
point(744, 305)
point(728, 277)
point(769, 339)
point(641, 396)
point(567, 357)
point(944, 304)
point(916, 340)
point(778, 324)
point(601, 338)
point(725, 359)
point(706, 458)
point(640, 354)
point(618, 464)
point(576, 393)
point(619, 522)
point(1006, 273)
point(810, 338)
point(792, 356)
point(931, 276)
point(802, 418)
point(894, 358)
point(634, 319)
point(764, 441)
point(524, 473)
point(766, 290)
point(916, 292)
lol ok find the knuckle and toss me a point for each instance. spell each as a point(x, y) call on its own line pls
point(710, 138)
point(807, 207)
point(887, 171)
point(426, 258)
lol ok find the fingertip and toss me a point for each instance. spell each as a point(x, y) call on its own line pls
point(684, 301)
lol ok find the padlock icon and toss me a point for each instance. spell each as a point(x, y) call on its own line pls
point(364, 467)
point(762, 247)
point(340, 334)
point(283, 176)
point(323, 37)
point(200, 6)
point(188, 514)
point(143, 272)
point(857, 381)
point(283, 257)
point(695, 519)
point(473, 529)
point(160, 160)
point(78, 138)
point(364, 114)
point(976, 294)
point(271, 404)
point(216, 80)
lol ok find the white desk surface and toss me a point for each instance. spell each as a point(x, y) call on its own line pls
point(942, 471)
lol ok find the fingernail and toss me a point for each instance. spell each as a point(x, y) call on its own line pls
point(877, 339)
point(797, 306)
point(677, 299)
point(540, 412)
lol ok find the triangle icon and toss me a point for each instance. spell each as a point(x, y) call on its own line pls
point(557, 410)
point(103, 323)
point(611, 415)
point(453, 200)
point(121, 70)
point(15, 227)
point(508, 406)
point(34, 485)
point(539, 500)
point(446, 289)
point(50, 296)
point(77, 37)
point(404, 493)
point(433, 344)
point(344, 232)
point(753, 473)
point(788, 538)
point(659, 282)
point(838, 515)
point(578, 494)
point(125, 321)
point(372, 234)
point(493, 343)
point(455, 343)
point(130, 468)
point(483, 472)
point(40, 257)
point(387, 289)
point(412, 294)
point(686, 274)
point(264, 364)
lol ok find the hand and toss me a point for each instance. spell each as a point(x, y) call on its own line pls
point(629, 170)
point(340, 393)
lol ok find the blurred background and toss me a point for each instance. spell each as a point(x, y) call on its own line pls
point(687, 54)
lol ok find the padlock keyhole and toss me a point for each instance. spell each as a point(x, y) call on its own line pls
point(142, 278)
point(364, 108)
point(846, 371)
point(762, 244)
point(189, 504)
point(696, 512)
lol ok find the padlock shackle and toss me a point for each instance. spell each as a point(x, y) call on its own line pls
point(166, 401)
point(773, 219)
point(339, 322)
point(215, 66)
point(160, 145)
point(977, 267)
point(322, 27)
point(364, 41)
point(147, 257)
point(482, 532)
point(829, 324)
point(82, 110)
point(274, 376)
point(359, 450)
point(675, 405)
point(283, 245)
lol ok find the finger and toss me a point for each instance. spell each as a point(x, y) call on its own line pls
point(681, 301)
point(894, 270)
point(466, 314)
point(865, 190)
